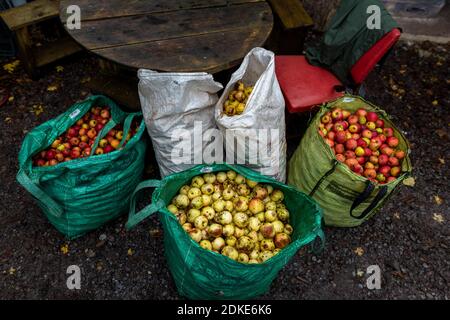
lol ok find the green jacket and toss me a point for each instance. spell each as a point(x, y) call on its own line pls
point(348, 38)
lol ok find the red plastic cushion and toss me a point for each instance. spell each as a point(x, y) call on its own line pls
point(304, 85)
point(369, 60)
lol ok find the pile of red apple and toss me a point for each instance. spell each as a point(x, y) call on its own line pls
point(363, 143)
point(78, 140)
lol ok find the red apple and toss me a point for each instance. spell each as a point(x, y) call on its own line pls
point(385, 170)
point(351, 144)
point(354, 128)
point(367, 152)
point(373, 159)
point(356, 136)
point(108, 149)
point(40, 162)
point(392, 142)
point(400, 154)
point(59, 157)
point(386, 150)
point(361, 160)
point(92, 133)
point(340, 137)
point(380, 123)
point(72, 132)
point(340, 157)
point(388, 132)
point(369, 165)
point(367, 134)
point(330, 135)
point(357, 168)
point(390, 179)
point(371, 116)
point(353, 119)
point(74, 141)
point(383, 160)
point(393, 161)
point(349, 154)
point(351, 162)
point(74, 154)
point(99, 127)
point(338, 126)
point(50, 154)
point(361, 112)
point(339, 148)
point(362, 143)
point(382, 137)
point(370, 173)
point(345, 114)
point(105, 114)
point(336, 114)
point(328, 141)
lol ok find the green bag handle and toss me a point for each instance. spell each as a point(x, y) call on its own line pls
point(135, 218)
point(110, 125)
point(360, 198)
point(363, 196)
point(53, 207)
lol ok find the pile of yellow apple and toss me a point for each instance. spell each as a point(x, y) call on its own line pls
point(237, 99)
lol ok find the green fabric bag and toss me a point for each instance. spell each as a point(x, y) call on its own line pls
point(202, 274)
point(81, 195)
point(346, 198)
point(347, 38)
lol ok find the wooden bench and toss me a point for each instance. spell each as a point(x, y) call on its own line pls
point(291, 19)
point(20, 18)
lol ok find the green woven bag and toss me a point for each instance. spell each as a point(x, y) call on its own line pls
point(202, 274)
point(83, 194)
point(346, 198)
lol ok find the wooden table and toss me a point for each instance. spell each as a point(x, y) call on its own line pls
point(172, 35)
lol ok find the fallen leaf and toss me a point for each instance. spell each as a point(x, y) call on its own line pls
point(52, 88)
point(59, 68)
point(438, 200)
point(8, 119)
point(130, 252)
point(99, 266)
point(441, 133)
point(359, 251)
point(12, 271)
point(441, 160)
point(438, 218)
point(435, 103)
point(360, 273)
point(155, 233)
point(397, 215)
point(85, 79)
point(410, 182)
point(11, 67)
point(11, 99)
point(37, 109)
point(65, 249)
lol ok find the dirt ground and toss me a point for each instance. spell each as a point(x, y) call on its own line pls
point(408, 239)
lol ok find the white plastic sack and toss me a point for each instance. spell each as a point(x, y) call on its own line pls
point(171, 103)
point(256, 138)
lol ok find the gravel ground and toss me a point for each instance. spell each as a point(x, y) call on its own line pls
point(408, 239)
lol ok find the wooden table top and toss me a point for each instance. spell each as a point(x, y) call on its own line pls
point(172, 35)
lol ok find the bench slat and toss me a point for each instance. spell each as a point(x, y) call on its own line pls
point(291, 13)
point(30, 13)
